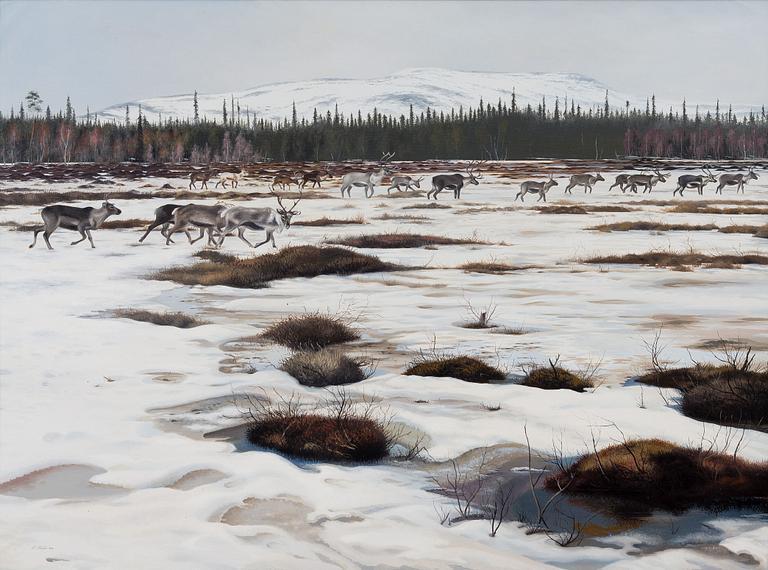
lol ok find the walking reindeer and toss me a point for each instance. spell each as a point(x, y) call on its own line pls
point(647, 181)
point(270, 220)
point(586, 180)
point(455, 182)
point(692, 181)
point(406, 181)
point(622, 180)
point(533, 187)
point(367, 180)
point(233, 178)
point(203, 177)
point(205, 218)
point(315, 177)
point(164, 216)
point(738, 180)
point(284, 181)
point(81, 220)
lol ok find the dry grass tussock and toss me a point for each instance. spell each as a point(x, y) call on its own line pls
point(312, 331)
point(680, 260)
point(701, 208)
point(664, 227)
point(398, 240)
point(427, 206)
point(338, 429)
point(290, 262)
point(326, 367)
point(580, 209)
point(179, 320)
point(660, 474)
point(432, 362)
point(403, 217)
point(554, 377)
point(325, 221)
point(732, 391)
point(492, 266)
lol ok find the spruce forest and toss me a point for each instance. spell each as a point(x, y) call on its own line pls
point(500, 131)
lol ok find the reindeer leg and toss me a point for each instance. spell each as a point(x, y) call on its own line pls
point(199, 237)
point(81, 229)
point(90, 237)
point(151, 227)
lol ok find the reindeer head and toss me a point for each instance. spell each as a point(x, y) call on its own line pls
point(286, 214)
point(111, 209)
point(708, 176)
point(386, 158)
point(662, 177)
point(751, 174)
point(552, 181)
point(417, 181)
point(599, 177)
point(473, 172)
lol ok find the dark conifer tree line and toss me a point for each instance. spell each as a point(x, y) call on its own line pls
point(498, 131)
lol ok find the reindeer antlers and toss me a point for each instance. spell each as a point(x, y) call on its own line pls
point(386, 157)
point(280, 201)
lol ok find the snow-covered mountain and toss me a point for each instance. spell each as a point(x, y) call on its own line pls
point(440, 89)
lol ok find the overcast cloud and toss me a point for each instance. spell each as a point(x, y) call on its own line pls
point(101, 53)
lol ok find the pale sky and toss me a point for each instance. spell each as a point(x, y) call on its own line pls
point(107, 52)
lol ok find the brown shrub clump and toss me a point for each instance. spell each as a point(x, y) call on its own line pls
point(312, 331)
point(326, 221)
point(462, 367)
point(762, 232)
point(129, 223)
point(676, 260)
point(651, 226)
point(554, 377)
point(492, 266)
point(702, 208)
point(256, 272)
point(660, 474)
point(428, 206)
point(562, 210)
point(325, 367)
point(340, 434)
point(179, 320)
point(397, 240)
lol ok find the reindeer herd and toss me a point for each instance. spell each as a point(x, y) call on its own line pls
point(219, 221)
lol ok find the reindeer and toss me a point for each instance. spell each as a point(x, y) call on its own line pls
point(647, 181)
point(691, 181)
point(231, 177)
point(164, 217)
point(455, 182)
point(204, 217)
point(203, 177)
point(284, 180)
point(406, 181)
point(738, 180)
point(533, 187)
point(622, 180)
point(586, 180)
point(82, 220)
point(315, 177)
point(367, 180)
point(270, 220)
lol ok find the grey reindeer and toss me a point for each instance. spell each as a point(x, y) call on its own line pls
point(164, 217)
point(693, 181)
point(270, 220)
point(367, 180)
point(533, 187)
point(81, 220)
point(738, 180)
point(647, 181)
point(204, 217)
point(455, 182)
point(407, 181)
point(622, 181)
point(586, 180)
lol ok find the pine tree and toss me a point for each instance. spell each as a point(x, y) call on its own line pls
point(607, 110)
point(196, 108)
point(514, 101)
point(411, 118)
point(47, 113)
point(140, 137)
point(224, 111)
point(294, 119)
point(127, 116)
point(647, 107)
point(685, 114)
point(717, 111)
point(653, 106)
point(70, 114)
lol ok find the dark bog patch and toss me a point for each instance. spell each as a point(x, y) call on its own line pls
point(464, 368)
